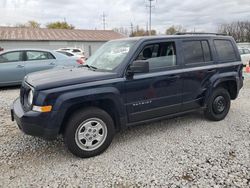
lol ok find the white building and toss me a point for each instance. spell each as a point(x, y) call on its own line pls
point(88, 40)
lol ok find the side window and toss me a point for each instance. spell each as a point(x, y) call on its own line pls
point(159, 55)
point(65, 53)
point(225, 50)
point(246, 51)
point(38, 55)
point(75, 50)
point(241, 51)
point(196, 52)
point(11, 57)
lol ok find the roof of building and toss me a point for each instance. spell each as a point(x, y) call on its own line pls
point(42, 34)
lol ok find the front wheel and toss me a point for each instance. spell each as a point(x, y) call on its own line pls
point(218, 105)
point(89, 132)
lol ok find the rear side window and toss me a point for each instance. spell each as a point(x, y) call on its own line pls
point(76, 50)
point(196, 52)
point(38, 55)
point(11, 57)
point(65, 53)
point(241, 51)
point(225, 50)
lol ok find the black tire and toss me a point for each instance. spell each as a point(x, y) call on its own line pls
point(77, 120)
point(218, 105)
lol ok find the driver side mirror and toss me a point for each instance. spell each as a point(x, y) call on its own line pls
point(139, 66)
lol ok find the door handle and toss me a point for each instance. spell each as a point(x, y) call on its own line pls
point(19, 66)
point(211, 71)
point(174, 76)
point(52, 63)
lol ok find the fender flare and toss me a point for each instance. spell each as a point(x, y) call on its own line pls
point(71, 98)
point(215, 81)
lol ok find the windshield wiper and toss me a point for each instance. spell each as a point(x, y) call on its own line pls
point(89, 66)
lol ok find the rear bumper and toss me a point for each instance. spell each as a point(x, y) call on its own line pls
point(33, 123)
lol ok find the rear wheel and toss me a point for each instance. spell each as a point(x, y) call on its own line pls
point(218, 105)
point(89, 132)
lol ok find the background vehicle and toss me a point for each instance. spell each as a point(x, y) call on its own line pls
point(76, 51)
point(15, 64)
point(70, 54)
point(128, 82)
point(245, 55)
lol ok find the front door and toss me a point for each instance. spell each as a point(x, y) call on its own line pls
point(12, 70)
point(157, 93)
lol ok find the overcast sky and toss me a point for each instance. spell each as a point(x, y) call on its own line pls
point(201, 15)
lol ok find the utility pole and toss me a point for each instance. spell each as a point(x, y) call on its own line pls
point(131, 29)
point(104, 20)
point(150, 12)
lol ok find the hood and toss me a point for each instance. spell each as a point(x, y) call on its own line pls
point(65, 76)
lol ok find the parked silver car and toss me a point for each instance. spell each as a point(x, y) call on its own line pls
point(15, 64)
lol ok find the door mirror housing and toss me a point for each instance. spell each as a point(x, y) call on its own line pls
point(139, 66)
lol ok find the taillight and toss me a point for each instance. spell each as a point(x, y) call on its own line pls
point(80, 61)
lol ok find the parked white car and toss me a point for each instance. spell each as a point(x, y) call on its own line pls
point(81, 58)
point(76, 51)
point(245, 55)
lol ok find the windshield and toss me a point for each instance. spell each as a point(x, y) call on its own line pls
point(110, 55)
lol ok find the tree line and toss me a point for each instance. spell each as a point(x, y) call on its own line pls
point(51, 25)
point(139, 31)
point(239, 30)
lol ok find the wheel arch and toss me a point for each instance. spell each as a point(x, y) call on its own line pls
point(108, 101)
point(230, 84)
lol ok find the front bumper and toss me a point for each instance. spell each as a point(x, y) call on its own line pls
point(33, 123)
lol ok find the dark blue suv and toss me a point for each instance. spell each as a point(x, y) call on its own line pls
point(129, 82)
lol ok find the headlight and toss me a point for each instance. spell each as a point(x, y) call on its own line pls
point(30, 97)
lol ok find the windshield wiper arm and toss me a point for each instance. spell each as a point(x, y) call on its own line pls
point(89, 66)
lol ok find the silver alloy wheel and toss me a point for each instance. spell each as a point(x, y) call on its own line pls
point(91, 134)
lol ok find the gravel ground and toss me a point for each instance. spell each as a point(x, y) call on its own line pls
point(188, 151)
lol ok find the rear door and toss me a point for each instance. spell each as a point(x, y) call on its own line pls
point(12, 67)
point(198, 68)
point(39, 60)
point(157, 93)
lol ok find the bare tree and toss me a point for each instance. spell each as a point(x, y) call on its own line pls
point(175, 29)
point(33, 24)
point(141, 32)
point(29, 24)
point(122, 30)
point(240, 30)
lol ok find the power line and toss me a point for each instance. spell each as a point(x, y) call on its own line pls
point(104, 20)
point(150, 6)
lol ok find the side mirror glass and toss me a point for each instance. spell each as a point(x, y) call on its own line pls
point(139, 66)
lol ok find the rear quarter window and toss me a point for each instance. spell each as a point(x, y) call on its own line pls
point(225, 50)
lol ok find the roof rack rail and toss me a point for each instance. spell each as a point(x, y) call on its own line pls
point(198, 33)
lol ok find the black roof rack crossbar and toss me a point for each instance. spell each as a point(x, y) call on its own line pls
point(198, 33)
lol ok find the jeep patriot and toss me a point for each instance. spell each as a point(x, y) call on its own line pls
point(128, 82)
